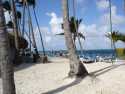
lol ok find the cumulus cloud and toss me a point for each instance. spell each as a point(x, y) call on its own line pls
point(120, 44)
point(116, 18)
point(102, 4)
point(55, 23)
point(51, 41)
point(95, 35)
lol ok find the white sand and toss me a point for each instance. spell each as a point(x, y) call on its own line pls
point(51, 79)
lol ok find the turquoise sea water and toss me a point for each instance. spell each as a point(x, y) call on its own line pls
point(86, 53)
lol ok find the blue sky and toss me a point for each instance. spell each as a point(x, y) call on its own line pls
point(95, 25)
point(95, 15)
point(86, 9)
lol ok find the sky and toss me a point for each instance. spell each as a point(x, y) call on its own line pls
point(95, 25)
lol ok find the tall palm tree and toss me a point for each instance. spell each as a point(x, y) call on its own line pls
point(32, 32)
point(116, 36)
point(74, 26)
point(41, 37)
point(26, 5)
point(124, 5)
point(7, 72)
point(6, 6)
point(76, 68)
point(29, 2)
point(15, 24)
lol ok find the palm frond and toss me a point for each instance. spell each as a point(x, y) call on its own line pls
point(6, 6)
point(9, 24)
point(115, 36)
point(19, 15)
point(30, 2)
point(81, 35)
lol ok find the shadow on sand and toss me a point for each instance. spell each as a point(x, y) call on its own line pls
point(28, 62)
point(104, 70)
point(93, 75)
point(57, 90)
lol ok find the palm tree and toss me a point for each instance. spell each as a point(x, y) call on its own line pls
point(76, 68)
point(116, 36)
point(15, 24)
point(41, 37)
point(113, 36)
point(7, 72)
point(23, 44)
point(36, 55)
point(6, 6)
point(29, 2)
point(74, 26)
point(26, 4)
point(124, 5)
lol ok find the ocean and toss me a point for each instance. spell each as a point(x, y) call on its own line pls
point(86, 53)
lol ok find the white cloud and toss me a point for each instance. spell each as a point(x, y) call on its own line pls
point(102, 4)
point(55, 23)
point(120, 44)
point(116, 18)
point(51, 41)
point(95, 35)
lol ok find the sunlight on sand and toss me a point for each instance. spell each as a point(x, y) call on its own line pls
point(51, 78)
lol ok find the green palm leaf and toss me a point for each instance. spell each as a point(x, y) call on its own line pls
point(7, 6)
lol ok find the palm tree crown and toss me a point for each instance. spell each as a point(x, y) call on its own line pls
point(74, 26)
point(116, 36)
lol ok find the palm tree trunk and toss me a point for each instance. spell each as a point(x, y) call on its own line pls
point(112, 42)
point(74, 40)
point(30, 41)
point(76, 68)
point(15, 23)
point(17, 59)
point(124, 5)
point(41, 37)
point(23, 20)
point(32, 33)
point(7, 72)
point(76, 27)
point(114, 47)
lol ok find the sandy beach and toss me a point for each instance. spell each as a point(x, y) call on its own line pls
point(51, 78)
